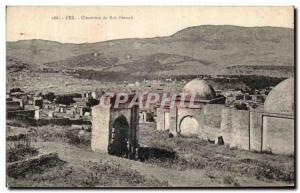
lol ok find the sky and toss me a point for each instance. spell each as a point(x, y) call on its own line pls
point(70, 24)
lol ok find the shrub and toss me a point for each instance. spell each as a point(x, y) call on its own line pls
point(64, 99)
point(50, 96)
point(230, 180)
point(19, 150)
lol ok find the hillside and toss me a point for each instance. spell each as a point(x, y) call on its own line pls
point(191, 51)
point(16, 65)
point(263, 70)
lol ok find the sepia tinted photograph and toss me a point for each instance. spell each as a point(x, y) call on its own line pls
point(150, 97)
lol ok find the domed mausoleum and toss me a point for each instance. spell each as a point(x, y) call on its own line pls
point(278, 119)
point(281, 98)
point(268, 131)
point(200, 89)
point(199, 119)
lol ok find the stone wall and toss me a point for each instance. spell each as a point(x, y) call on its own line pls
point(13, 105)
point(103, 119)
point(256, 131)
point(160, 120)
point(100, 128)
point(19, 168)
point(240, 136)
point(212, 115)
point(226, 125)
point(163, 119)
point(208, 117)
point(115, 113)
point(173, 121)
point(20, 114)
point(244, 129)
point(197, 114)
point(167, 121)
point(278, 134)
point(235, 128)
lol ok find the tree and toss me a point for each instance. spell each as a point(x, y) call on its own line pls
point(65, 100)
point(91, 102)
point(50, 96)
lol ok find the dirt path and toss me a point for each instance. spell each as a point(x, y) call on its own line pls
point(79, 157)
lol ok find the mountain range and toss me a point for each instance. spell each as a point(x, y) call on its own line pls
point(205, 49)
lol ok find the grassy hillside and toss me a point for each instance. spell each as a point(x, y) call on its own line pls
point(265, 70)
point(194, 50)
point(47, 65)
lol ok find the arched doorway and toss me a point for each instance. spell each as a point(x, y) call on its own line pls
point(188, 126)
point(119, 137)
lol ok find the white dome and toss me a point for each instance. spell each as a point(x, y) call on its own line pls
point(199, 88)
point(281, 98)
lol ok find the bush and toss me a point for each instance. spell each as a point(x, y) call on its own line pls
point(50, 96)
point(230, 180)
point(78, 137)
point(20, 150)
point(241, 106)
point(65, 100)
point(259, 82)
point(91, 102)
point(15, 90)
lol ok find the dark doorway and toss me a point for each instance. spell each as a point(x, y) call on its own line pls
point(119, 137)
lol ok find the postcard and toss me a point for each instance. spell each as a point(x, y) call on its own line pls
point(150, 97)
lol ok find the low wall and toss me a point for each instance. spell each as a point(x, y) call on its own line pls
point(240, 129)
point(196, 114)
point(244, 129)
point(278, 134)
point(19, 168)
point(235, 128)
point(208, 117)
point(61, 121)
point(212, 119)
point(100, 128)
point(258, 131)
point(51, 121)
point(173, 121)
point(20, 114)
point(226, 125)
point(13, 105)
point(160, 121)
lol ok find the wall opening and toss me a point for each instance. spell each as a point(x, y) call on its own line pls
point(189, 126)
point(119, 137)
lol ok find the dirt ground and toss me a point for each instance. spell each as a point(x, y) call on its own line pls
point(172, 162)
